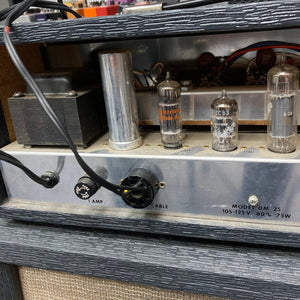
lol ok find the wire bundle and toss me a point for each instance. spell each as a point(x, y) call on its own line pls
point(255, 47)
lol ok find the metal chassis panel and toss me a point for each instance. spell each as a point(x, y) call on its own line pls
point(262, 229)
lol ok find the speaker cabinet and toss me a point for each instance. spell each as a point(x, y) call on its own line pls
point(38, 284)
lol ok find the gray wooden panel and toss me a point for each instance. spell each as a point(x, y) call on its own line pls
point(209, 19)
point(9, 283)
point(214, 229)
point(232, 271)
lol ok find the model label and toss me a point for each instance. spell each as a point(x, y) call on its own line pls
point(260, 211)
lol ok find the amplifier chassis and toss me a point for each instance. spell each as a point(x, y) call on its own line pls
point(248, 195)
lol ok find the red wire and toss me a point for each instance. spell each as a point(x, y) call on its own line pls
point(259, 48)
point(256, 49)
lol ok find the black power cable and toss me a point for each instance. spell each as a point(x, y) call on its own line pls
point(48, 180)
point(15, 13)
point(62, 12)
point(53, 5)
point(191, 3)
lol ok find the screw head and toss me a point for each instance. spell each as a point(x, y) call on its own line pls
point(71, 93)
point(253, 200)
point(18, 94)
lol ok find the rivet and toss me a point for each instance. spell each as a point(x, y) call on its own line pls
point(253, 200)
point(162, 185)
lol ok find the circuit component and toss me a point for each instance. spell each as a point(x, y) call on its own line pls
point(283, 86)
point(140, 178)
point(86, 187)
point(169, 109)
point(224, 125)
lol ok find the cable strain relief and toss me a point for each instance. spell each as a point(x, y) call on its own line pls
point(50, 178)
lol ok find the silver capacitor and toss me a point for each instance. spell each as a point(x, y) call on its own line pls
point(224, 127)
point(169, 111)
point(120, 99)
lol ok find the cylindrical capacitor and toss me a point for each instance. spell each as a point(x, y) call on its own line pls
point(169, 110)
point(224, 127)
point(120, 100)
point(283, 87)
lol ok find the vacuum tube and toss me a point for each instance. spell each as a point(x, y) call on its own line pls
point(224, 125)
point(169, 109)
point(283, 86)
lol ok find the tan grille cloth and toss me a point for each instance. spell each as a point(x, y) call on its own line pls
point(40, 284)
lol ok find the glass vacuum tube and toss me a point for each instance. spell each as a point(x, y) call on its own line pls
point(224, 127)
point(169, 109)
point(283, 86)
